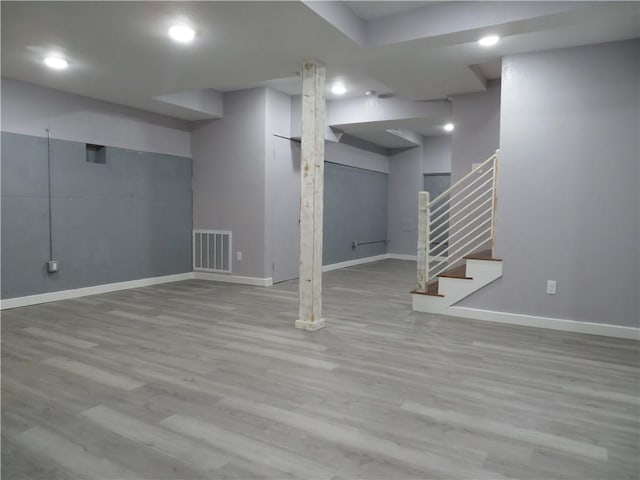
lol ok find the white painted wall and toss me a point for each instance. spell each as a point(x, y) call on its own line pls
point(437, 154)
point(355, 157)
point(229, 179)
point(477, 134)
point(208, 102)
point(374, 109)
point(296, 120)
point(405, 181)
point(569, 186)
point(282, 203)
point(234, 184)
point(29, 109)
point(338, 152)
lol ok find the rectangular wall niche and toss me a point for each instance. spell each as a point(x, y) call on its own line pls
point(96, 153)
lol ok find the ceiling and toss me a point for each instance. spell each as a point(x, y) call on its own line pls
point(375, 10)
point(119, 51)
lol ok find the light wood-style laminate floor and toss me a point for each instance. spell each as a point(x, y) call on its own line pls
point(200, 379)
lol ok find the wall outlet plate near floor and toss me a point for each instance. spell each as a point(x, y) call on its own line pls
point(52, 266)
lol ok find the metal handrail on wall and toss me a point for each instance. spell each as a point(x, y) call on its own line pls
point(472, 202)
point(355, 243)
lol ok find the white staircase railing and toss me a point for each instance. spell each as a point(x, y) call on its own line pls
point(458, 222)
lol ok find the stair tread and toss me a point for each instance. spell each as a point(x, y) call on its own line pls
point(482, 255)
point(456, 272)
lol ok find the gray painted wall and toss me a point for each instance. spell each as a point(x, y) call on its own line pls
point(405, 181)
point(355, 208)
point(127, 219)
point(229, 180)
point(477, 134)
point(437, 154)
point(29, 109)
point(569, 186)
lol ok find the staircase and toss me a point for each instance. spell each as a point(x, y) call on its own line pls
point(456, 240)
point(452, 285)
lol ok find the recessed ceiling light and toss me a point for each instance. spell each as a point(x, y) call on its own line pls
point(57, 63)
point(489, 40)
point(368, 93)
point(449, 127)
point(338, 89)
point(182, 33)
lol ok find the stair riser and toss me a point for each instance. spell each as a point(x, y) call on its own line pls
point(484, 269)
point(455, 289)
point(429, 304)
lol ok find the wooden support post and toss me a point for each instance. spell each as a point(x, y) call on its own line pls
point(423, 241)
point(311, 196)
point(494, 203)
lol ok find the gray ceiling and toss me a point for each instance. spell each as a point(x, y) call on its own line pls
point(119, 51)
point(375, 10)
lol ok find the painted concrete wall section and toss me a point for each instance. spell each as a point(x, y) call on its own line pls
point(568, 206)
point(477, 134)
point(229, 177)
point(355, 208)
point(29, 109)
point(437, 154)
point(127, 219)
point(405, 181)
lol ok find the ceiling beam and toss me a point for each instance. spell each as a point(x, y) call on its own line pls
point(342, 18)
point(448, 18)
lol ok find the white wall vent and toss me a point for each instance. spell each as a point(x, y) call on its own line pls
point(212, 251)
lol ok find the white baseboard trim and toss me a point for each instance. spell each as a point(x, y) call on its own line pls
point(145, 282)
point(413, 258)
point(398, 256)
point(352, 263)
point(86, 291)
point(564, 325)
point(221, 277)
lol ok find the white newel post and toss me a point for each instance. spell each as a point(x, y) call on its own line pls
point(494, 203)
point(423, 241)
point(311, 196)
